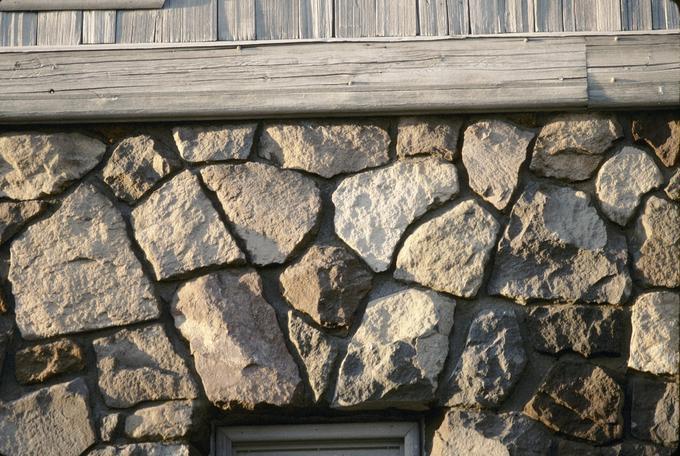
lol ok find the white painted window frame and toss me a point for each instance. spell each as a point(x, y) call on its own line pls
point(61, 5)
point(406, 434)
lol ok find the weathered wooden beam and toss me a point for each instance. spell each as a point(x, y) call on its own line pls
point(57, 5)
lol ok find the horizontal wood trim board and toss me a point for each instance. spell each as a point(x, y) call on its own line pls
point(60, 5)
point(342, 78)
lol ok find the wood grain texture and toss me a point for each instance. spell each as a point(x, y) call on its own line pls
point(636, 14)
point(236, 20)
point(99, 27)
point(18, 29)
point(396, 17)
point(277, 19)
point(67, 5)
point(459, 17)
point(493, 16)
point(633, 71)
point(591, 15)
point(301, 79)
point(665, 15)
point(433, 18)
point(548, 16)
point(355, 18)
point(60, 28)
point(316, 19)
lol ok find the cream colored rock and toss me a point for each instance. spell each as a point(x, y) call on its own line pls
point(673, 187)
point(493, 152)
point(449, 253)
point(180, 231)
point(75, 271)
point(14, 216)
point(271, 210)
point(143, 449)
point(200, 143)
point(436, 136)
point(325, 148)
point(36, 164)
point(656, 333)
point(167, 421)
point(374, 208)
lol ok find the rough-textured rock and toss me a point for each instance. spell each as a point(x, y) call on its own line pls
point(326, 149)
point(571, 146)
point(395, 357)
point(374, 208)
point(493, 152)
point(232, 329)
point(143, 449)
point(673, 187)
point(137, 365)
point(199, 143)
point(491, 363)
point(436, 136)
point(109, 426)
point(14, 216)
point(41, 362)
point(271, 210)
point(626, 448)
point(6, 333)
point(36, 164)
point(449, 253)
point(327, 283)
point(473, 433)
point(75, 271)
point(655, 411)
point(180, 231)
point(656, 243)
point(622, 181)
point(54, 421)
point(661, 131)
point(318, 352)
point(565, 253)
point(656, 333)
point(135, 165)
point(167, 421)
point(587, 330)
point(580, 400)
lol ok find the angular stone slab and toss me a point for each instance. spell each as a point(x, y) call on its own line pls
point(325, 148)
point(238, 348)
point(208, 143)
point(580, 400)
point(571, 146)
point(655, 244)
point(180, 231)
point(449, 253)
point(655, 411)
point(587, 330)
point(395, 357)
point(168, 421)
point(75, 271)
point(36, 164)
point(566, 254)
point(661, 131)
point(273, 211)
point(50, 421)
point(656, 333)
point(623, 180)
point(491, 363)
point(137, 365)
point(41, 362)
point(14, 216)
point(374, 208)
point(144, 449)
point(493, 152)
point(422, 135)
point(328, 284)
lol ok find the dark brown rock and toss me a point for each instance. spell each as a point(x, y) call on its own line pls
point(655, 411)
point(661, 131)
point(41, 362)
point(626, 448)
point(14, 216)
point(580, 400)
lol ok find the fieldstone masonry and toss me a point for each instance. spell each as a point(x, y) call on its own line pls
point(512, 282)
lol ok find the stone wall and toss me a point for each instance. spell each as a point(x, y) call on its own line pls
point(511, 280)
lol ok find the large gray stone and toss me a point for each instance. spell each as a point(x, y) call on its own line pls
point(49, 421)
point(200, 143)
point(571, 146)
point(75, 271)
point(41, 362)
point(656, 243)
point(587, 330)
point(167, 421)
point(564, 250)
point(137, 365)
point(135, 165)
point(449, 253)
point(396, 355)
point(318, 352)
point(14, 216)
point(374, 208)
point(580, 400)
point(655, 411)
point(273, 211)
point(327, 283)
point(325, 148)
point(622, 181)
point(37, 164)
point(491, 363)
point(493, 152)
point(239, 350)
point(474, 433)
point(436, 136)
point(144, 449)
point(661, 131)
point(656, 333)
point(180, 231)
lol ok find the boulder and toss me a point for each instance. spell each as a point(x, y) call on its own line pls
point(423, 135)
point(208, 143)
point(655, 411)
point(14, 216)
point(41, 362)
point(167, 421)
point(661, 131)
